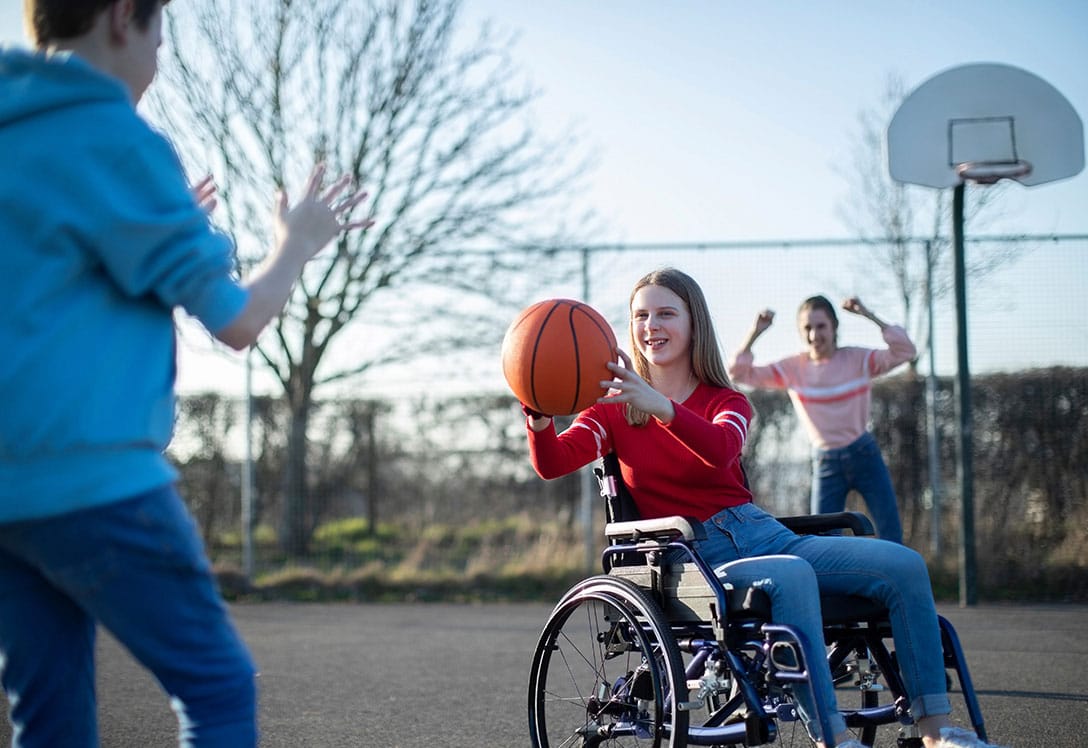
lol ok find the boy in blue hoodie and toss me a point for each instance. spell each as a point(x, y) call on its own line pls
point(101, 238)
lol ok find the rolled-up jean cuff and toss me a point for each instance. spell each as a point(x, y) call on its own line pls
point(930, 706)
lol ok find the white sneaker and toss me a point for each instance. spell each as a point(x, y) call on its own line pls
point(957, 737)
point(851, 744)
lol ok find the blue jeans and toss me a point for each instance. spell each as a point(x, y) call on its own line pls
point(746, 545)
point(859, 466)
point(138, 567)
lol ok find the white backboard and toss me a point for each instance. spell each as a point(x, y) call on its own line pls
point(985, 119)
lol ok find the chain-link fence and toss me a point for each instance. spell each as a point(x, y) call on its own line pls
point(423, 468)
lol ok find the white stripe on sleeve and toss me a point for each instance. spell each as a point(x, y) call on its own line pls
point(736, 420)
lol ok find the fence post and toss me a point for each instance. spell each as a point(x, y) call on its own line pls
point(247, 474)
point(931, 408)
point(968, 595)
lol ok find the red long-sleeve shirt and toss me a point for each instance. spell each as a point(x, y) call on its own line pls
point(689, 467)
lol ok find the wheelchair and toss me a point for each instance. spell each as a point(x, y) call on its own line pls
point(653, 653)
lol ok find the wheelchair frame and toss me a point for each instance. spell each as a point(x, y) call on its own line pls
point(643, 616)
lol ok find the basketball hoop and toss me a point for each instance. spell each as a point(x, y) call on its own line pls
point(983, 123)
point(980, 123)
point(989, 172)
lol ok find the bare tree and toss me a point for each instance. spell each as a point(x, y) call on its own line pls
point(438, 130)
point(203, 423)
point(910, 226)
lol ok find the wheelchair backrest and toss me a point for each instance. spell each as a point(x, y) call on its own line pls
point(619, 504)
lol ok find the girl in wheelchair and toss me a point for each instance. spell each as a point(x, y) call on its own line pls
point(678, 428)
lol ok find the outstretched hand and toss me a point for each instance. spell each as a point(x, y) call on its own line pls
point(320, 215)
point(300, 231)
point(204, 192)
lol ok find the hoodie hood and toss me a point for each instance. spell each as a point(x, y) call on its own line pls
point(33, 84)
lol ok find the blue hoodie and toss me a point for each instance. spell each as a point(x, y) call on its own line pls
point(100, 239)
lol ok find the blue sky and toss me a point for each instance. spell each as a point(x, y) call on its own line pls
point(723, 119)
point(728, 120)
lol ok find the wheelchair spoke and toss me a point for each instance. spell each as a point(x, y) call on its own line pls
point(598, 673)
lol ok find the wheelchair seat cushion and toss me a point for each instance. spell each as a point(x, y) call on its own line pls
point(840, 609)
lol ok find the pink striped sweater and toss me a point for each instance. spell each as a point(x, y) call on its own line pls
point(832, 397)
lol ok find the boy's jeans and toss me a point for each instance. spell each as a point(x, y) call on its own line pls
point(138, 567)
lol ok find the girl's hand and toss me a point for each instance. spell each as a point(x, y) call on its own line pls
point(628, 387)
point(537, 421)
point(763, 321)
point(853, 304)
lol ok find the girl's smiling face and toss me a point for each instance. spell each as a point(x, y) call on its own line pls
point(818, 332)
point(661, 325)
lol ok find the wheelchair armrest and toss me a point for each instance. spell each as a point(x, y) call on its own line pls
point(663, 527)
point(814, 524)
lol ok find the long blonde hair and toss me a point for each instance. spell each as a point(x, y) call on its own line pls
point(706, 357)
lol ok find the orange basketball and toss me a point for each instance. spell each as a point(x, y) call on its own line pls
point(555, 356)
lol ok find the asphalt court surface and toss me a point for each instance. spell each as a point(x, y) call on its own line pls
point(455, 675)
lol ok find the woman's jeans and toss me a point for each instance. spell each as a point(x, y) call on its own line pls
point(859, 466)
point(747, 546)
point(138, 567)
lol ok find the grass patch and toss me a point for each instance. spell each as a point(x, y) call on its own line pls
point(515, 558)
point(509, 559)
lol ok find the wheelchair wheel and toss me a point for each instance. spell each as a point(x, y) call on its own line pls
point(607, 672)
